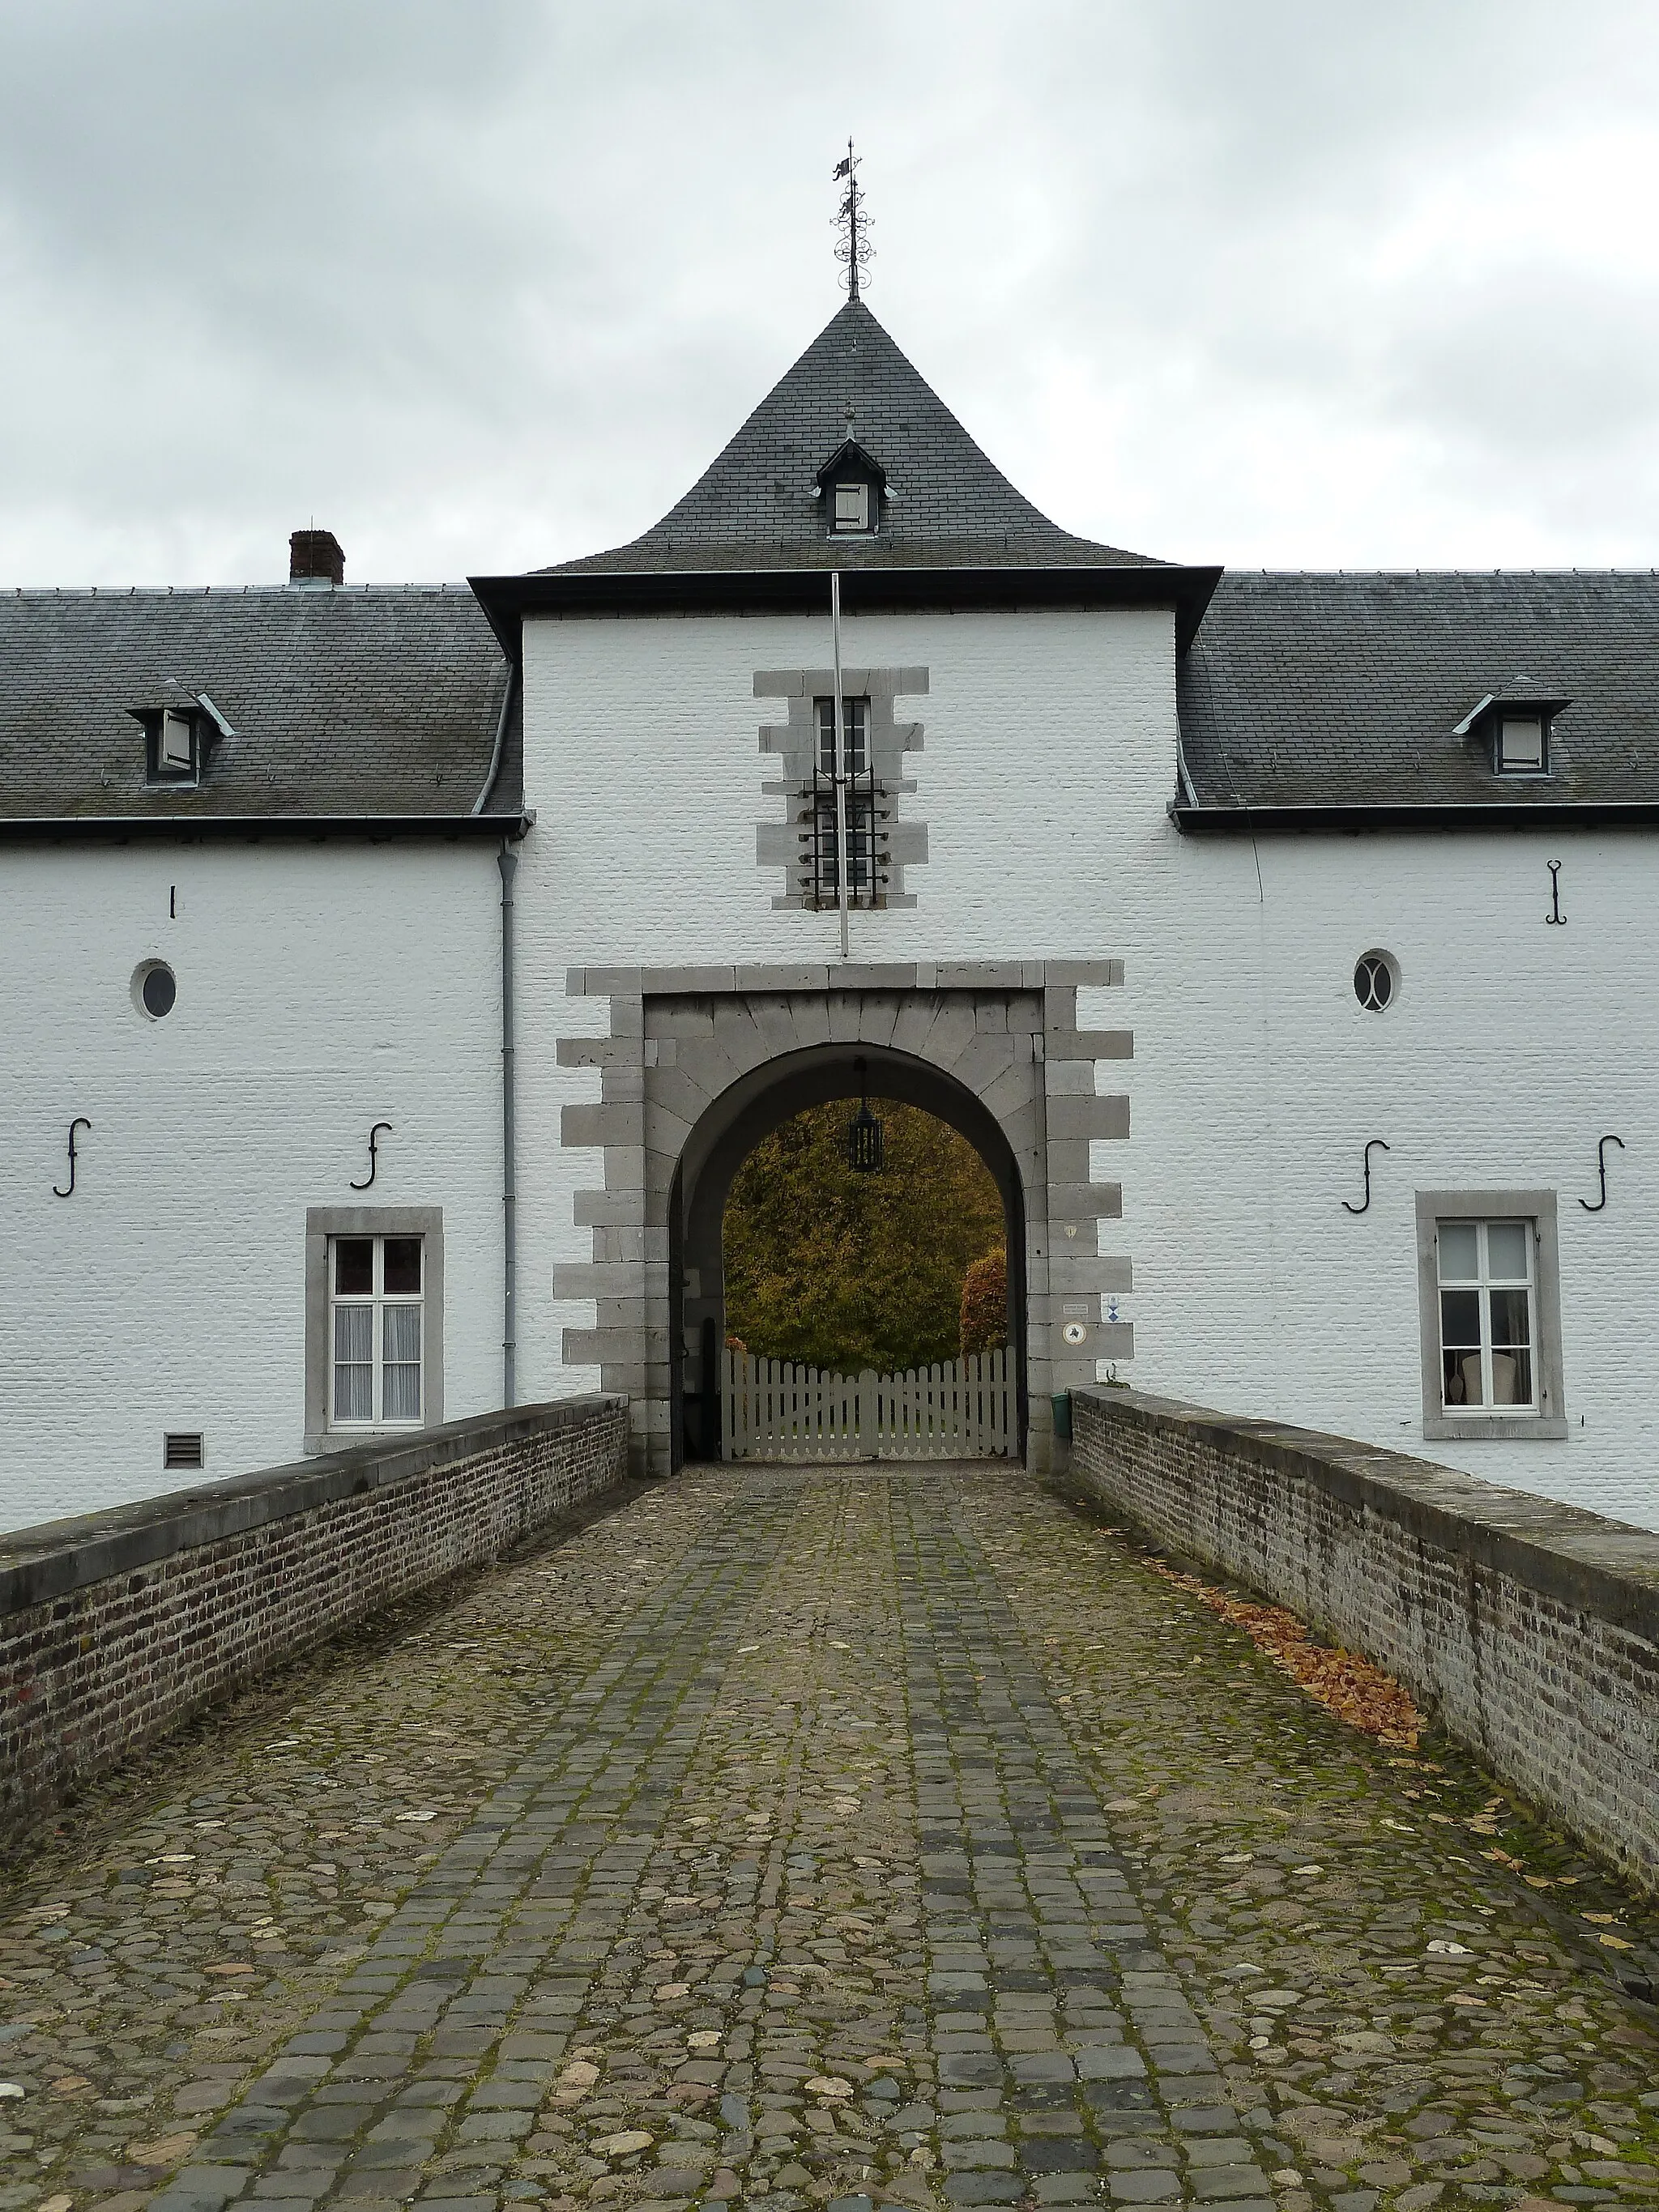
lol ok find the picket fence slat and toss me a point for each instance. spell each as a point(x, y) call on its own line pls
point(963, 1408)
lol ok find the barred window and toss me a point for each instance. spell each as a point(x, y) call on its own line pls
point(859, 801)
point(860, 847)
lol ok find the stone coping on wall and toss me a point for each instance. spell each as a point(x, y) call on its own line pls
point(1608, 1568)
point(56, 1557)
point(843, 976)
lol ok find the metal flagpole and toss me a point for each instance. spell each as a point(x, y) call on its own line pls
point(840, 759)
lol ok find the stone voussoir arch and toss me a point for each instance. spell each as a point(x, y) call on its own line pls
point(994, 1044)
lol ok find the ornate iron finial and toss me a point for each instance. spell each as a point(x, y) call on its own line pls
point(853, 248)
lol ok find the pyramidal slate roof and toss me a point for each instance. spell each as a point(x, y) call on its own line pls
point(949, 505)
point(376, 703)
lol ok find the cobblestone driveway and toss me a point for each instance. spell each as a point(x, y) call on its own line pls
point(854, 1835)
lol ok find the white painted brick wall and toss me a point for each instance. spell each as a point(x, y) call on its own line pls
point(323, 988)
point(1257, 1080)
point(1048, 762)
point(320, 989)
point(642, 752)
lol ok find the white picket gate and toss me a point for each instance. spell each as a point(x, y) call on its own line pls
point(965, 1408)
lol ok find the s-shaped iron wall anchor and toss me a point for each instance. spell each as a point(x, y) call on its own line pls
point(79, 1122)
point(373, 1153)
point(1555, 918)
point(1602, 1170)
point(1376, 1143)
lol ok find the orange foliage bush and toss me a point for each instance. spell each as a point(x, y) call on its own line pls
point(985, 1303)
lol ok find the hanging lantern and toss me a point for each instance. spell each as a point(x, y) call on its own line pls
point(864, 1135)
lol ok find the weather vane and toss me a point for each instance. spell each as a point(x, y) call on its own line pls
point(853, 245)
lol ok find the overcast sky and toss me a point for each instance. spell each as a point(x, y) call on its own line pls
point(482, 284)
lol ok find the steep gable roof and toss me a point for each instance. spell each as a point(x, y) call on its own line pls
point(949, 505)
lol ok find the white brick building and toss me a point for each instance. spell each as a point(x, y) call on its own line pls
point(1128, 843)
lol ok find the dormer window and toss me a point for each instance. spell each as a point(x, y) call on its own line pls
point(172, 743)
point(1514, 724)
point(852, 507)
point(853, 487)
point(178, 734)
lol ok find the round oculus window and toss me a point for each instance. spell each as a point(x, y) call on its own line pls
point(156, 990)
point(1375, 981)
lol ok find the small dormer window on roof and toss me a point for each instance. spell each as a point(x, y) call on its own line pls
point(178, 733)
point(1514, 723)
point(853, 485)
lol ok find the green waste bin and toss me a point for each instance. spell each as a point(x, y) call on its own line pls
point(1062, 1405)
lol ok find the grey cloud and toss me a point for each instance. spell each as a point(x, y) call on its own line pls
point(485, 285)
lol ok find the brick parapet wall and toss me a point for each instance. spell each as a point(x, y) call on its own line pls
point(116, 1626)
point(1531, 1629)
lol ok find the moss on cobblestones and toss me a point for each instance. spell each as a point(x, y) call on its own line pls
point(803, 1837)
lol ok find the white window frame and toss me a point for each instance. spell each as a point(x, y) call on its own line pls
point(379, 1304)
point(324, 1227)
point(1546, 1414)
point(1481, 1286)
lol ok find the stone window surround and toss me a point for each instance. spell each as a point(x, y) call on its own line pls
point(640, 1136)
point(897, 843)
point(1440, 1426)
point(322, 1222)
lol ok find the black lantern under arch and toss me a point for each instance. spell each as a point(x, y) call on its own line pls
point(865, 1146)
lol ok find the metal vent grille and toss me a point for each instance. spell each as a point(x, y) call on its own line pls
point(182, 1447)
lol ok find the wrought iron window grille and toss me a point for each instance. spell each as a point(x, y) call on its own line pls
point(866, 830)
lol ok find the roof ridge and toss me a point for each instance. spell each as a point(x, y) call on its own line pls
point(461, 589)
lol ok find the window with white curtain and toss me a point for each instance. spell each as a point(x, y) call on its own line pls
point(1488, 1296)
point(376, 1329)
point(1487, 1328)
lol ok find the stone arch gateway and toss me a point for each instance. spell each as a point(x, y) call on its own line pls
point(735, 1122)
point(696, 1057)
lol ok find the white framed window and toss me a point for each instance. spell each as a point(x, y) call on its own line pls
point(373, 1322)
point(1491, 1314)
point(375, 1315)
point(1488, 1314)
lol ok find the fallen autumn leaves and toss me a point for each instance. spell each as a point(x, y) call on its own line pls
point(1346, 1685)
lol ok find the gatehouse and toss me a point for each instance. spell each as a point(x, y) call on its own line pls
point(398, 975)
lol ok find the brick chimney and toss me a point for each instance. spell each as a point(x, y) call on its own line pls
point(315, 556)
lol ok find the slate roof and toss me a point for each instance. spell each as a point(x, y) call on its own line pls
point(377, 701)
point(1320, 690)
point(950, 506)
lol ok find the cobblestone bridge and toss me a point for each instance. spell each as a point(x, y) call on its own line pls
point(848, 1836)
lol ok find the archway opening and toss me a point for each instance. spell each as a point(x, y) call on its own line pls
point(803, 1101)
point(845, 1267)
